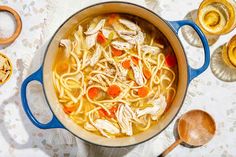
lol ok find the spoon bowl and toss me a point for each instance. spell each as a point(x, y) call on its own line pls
point(195, 128)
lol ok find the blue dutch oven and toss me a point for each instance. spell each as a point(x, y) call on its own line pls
point(44, 73)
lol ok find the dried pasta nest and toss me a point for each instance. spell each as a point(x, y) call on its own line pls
point(5, 68)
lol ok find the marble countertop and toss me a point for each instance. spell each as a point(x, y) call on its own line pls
point(20, 138)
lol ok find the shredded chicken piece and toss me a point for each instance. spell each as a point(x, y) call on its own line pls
point(139, 38)
point(89, 127)
point(126, 32)
point(137, 74)
point(124, 116)
point(159, 106)
point(94, 30)
point(96, 56)
point(106, 126)
point(130, 24)
point(119, 27)
point(123, 72)
point(132, 36)
point(67, 44)
point(107, 31)
point(91, 40)
point(121, 45)
point(150, 49)
point(128, 38)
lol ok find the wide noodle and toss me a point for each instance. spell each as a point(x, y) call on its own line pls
point(112, 76)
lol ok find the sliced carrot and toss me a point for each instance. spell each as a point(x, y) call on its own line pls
point(113, 112)
point(103, 113)
point(113, 91)
point(116, 52)
point(170, 60)
point(143, 91)
point(112, 115)
point(69, 109)
point(93, 92)
point(126, 64)
point(101, 39)
point(147, 73)
point(112, 18)
point(113, 109)
point(135, 60)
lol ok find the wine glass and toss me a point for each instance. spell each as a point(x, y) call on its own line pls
point(214, 17)
point(223, 61)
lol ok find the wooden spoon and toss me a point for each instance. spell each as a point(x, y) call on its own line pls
point(195, 128)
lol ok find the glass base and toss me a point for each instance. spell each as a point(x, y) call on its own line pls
point(221, 69)
point(190, 34)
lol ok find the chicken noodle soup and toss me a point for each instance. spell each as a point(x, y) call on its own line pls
point(115, 75)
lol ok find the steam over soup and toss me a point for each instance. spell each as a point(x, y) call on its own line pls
point(115, 75)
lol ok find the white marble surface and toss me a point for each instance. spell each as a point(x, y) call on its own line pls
point(20, 138)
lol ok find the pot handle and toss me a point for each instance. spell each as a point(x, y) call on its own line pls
point(36, 76)
point(194, 72)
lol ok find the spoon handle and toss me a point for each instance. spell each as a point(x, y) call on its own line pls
point(170, 148)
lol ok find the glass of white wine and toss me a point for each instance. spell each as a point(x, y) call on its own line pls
point(223, 61)
point(214, 17)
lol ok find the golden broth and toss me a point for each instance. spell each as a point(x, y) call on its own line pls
point(91, 93)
